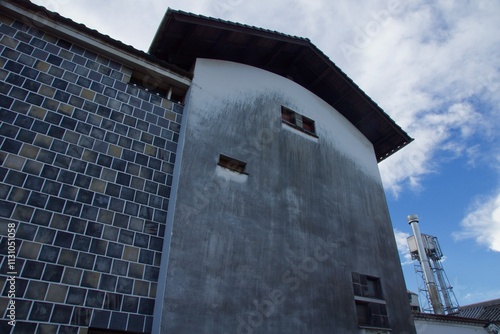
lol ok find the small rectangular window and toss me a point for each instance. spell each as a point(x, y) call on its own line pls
point(366, 286)
point(370, 303)
point(298, 121)
point(232, 164)
point(372, 314)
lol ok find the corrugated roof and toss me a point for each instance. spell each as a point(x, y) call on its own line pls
point(183, 37)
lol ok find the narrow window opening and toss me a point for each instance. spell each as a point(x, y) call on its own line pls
point(232, 164)
point(298, 121)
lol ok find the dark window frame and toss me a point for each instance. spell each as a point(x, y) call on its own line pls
point(298, 121)
point(371, 314)
point(369, 301)
point(366, 286)
point(232, 164)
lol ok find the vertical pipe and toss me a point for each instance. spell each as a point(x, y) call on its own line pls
point(428, 274)
point(169, 94)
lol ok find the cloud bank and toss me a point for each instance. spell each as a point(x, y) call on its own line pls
point(440, 64)
point(483, 223)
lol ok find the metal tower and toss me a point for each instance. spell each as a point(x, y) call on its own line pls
point(432, 279)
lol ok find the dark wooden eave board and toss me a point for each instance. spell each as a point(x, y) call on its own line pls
point(285, 55)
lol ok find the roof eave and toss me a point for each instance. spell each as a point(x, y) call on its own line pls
point(387, 139)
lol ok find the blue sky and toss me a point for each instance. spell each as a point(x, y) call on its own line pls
point(433, 66)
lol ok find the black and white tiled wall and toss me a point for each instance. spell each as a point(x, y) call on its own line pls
point(86, 165)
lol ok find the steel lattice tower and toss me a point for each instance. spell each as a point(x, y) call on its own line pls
point(433, 284)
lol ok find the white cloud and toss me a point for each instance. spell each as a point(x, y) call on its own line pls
point(482, 223)
point(434, 70)
point(435, 131)
point(402, 244)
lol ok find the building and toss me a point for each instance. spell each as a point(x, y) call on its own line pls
point(487, 310)
point(224, 182)
point(414, 303)
point(483, 317)
point(427, 323)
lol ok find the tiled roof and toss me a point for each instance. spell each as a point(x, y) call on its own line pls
point(489, 310)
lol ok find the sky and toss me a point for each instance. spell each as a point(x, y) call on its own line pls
point(433, 66)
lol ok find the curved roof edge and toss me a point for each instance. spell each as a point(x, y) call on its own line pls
point(182, 37)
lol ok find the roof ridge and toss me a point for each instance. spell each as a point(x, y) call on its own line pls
point(243, 25)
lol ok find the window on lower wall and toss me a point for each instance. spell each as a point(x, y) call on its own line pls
point(298, 121)
point(370, 304)
point(372, 314)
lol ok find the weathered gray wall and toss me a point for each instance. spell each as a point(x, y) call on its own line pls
point(273, 252)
